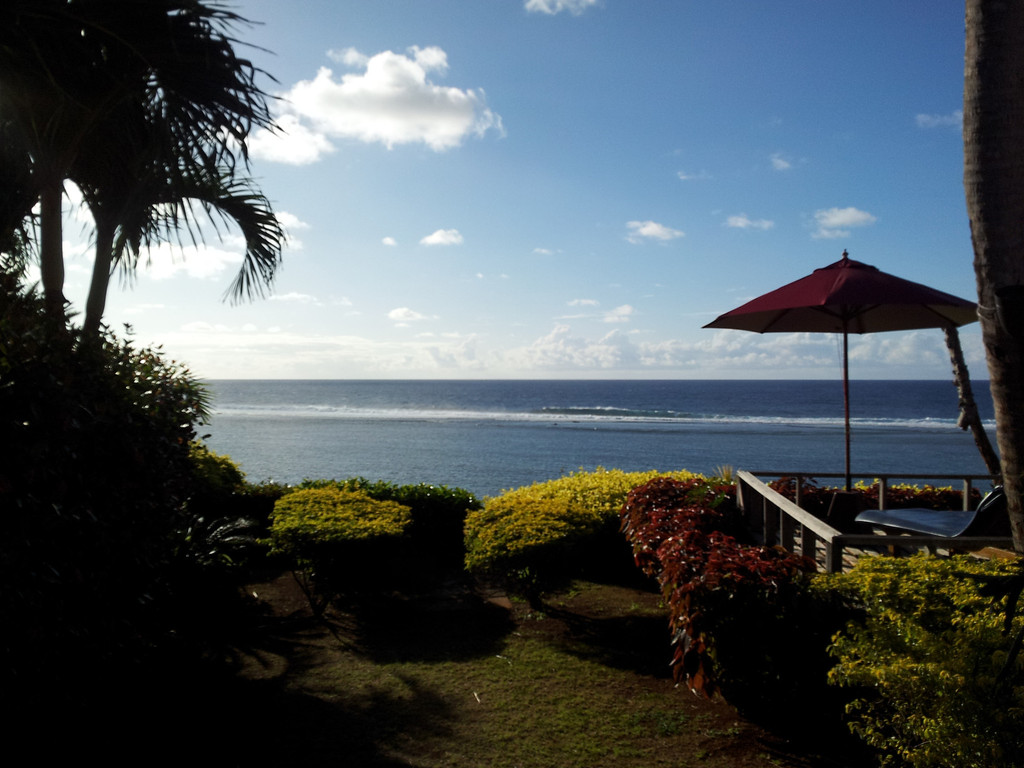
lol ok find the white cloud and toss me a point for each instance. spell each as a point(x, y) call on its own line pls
point(202, 326)
point(389, 241)
point(693, 176)
point(291, 224)
point(952, 120)
point(443, 237)
point(650, 230)
point(294, 143)
point(290, 221)
point(294, 297)
point(75, 266)
point(884, 355)
point(142, 309)
point(391, 101)
point(551, 7)
point(924, 348)
point(619, 314)
point(561, 350)
point(79, 256)
point(583, 303)
point(402, 316)
point(216, 350)
point(197, 261)
point(350, 57)
point(780, 163)
point(837, 222)
point(742, 221)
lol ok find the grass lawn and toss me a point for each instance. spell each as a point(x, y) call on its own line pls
point(457, 679)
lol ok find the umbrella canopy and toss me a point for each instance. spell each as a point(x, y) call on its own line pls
point(849, 297)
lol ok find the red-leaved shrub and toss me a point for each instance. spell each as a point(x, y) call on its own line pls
point(729, 602)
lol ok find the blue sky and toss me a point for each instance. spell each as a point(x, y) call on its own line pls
point(572, 188)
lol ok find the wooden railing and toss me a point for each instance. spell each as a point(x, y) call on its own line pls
point(784, 523)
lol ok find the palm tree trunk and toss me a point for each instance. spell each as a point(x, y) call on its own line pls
point(51, 249)
point(994, 187)
point(969, 416)
point(97, 299)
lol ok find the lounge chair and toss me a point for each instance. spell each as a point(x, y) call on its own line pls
point(988, 519)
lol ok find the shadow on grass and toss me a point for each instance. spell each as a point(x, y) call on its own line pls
point(440, 621)
point(449, 625)
point(354, 728)
point(640, 643)
point(208, 716)
point(636, 643)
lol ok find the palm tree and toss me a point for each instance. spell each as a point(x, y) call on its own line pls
point(994, 186)
point(130, 217)
point(67, 67)
point(17, 196)
point(151, 196)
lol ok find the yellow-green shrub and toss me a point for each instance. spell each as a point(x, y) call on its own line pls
point(214, 473)
point(338, 540)
point(925, 662)
point(537, 536)
point(435, 533)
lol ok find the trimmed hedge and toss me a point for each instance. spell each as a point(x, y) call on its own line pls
point(338, 541)
point(538, 537)
point(435, 532)
point(328, 516)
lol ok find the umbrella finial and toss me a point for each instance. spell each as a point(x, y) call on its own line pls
point(846, 256)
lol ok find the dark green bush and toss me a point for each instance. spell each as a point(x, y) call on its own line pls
point(221, 496)
point(94, 474)
point(218, 547)
point(256, 501)
point(927, 662)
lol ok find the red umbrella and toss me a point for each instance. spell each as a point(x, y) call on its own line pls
point(849, 297)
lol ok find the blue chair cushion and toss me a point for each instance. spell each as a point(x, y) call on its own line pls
point(928, 521)
point(991, 512)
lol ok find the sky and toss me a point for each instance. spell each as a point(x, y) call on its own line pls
point(573, 188)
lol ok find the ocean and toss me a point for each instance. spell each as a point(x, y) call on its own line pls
point(490, 436)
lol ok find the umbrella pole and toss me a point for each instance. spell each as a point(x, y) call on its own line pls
point(846, 402)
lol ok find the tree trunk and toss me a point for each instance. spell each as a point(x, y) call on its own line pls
point(97, 299)
point(51, 249)
point(969, 416)
point(994, 187)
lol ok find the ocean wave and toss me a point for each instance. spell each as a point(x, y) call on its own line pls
point(610, 412)
point(569, 415)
